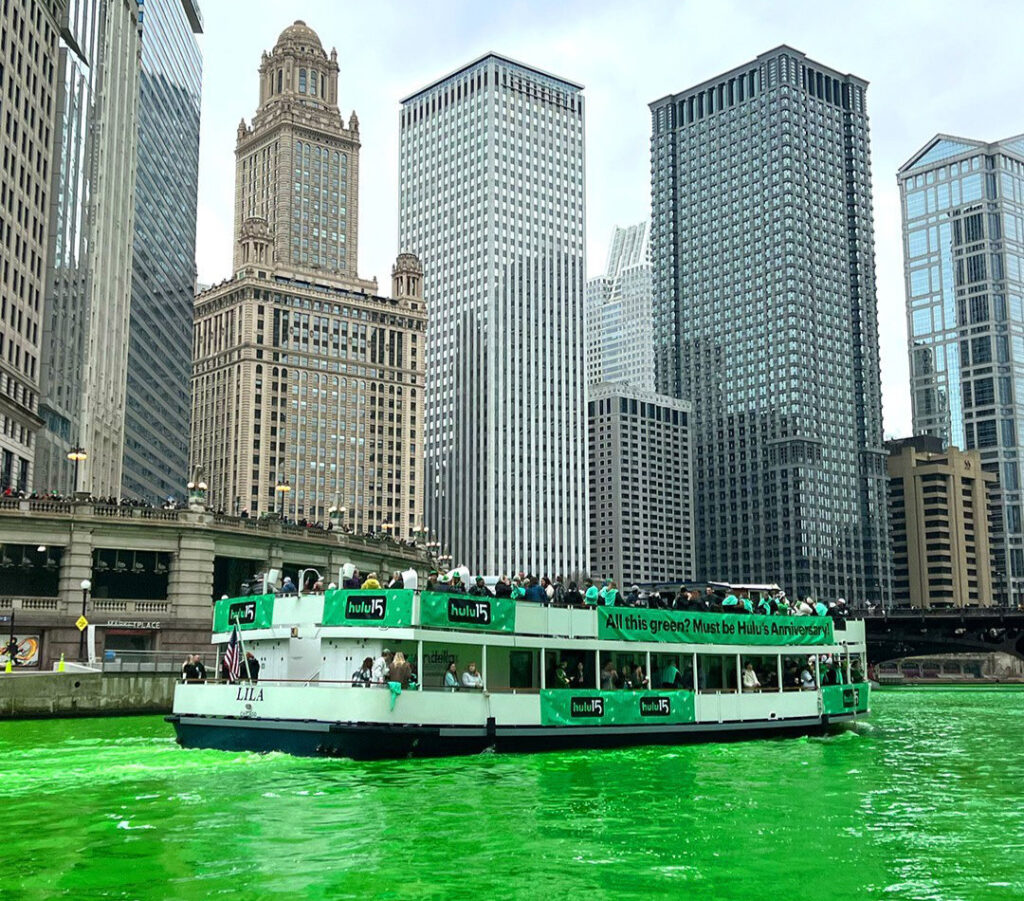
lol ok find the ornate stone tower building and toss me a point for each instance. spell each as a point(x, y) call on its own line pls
point(297, 165)
point(307, 387)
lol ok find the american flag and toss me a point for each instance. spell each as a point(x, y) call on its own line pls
point(232, 656)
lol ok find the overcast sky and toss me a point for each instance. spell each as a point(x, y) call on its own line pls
point(932, 66)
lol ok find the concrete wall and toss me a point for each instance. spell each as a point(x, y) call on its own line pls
point(25, 695)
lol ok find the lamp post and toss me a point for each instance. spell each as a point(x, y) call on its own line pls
point(197, 493)
point(77, 454)
point(86, 585)
point(282, 488)
point(335, 514)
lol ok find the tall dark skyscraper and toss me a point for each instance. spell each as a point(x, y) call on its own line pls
point(765, 320)
point(156, 418)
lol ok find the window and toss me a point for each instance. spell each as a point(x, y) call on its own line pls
point(302, 81)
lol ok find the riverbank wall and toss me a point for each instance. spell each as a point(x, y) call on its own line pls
point(84, 693)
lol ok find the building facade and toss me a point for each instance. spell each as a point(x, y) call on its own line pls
point(963, 243)
point(938, 507)
point(620, 334)
point(307, 386)
point(641, 502)
point(29, 54)
point(156, 425)
point(492, 201)
point(765, 319)
point(88, 297)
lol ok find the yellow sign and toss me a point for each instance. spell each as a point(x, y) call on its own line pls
point(81, 622)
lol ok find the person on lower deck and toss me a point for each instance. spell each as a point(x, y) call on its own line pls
point(471, 678)
point(250, 669)
point(451, 677)
point(750, 680)
point(609, 676)
point(670, 675)
point(363, 676)
point(640, 680)
point(400, 670)
point(579, 679)
point(807, 682)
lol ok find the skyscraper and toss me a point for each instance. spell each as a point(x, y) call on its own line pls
point(963, 244)
point(492, 201)
point(620, 342)
point(28, 56)
point(307, 386)
point(85, 329)
point(163, 267)
point(765, 320)
point(641, 503)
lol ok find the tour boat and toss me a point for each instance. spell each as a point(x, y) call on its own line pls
point(309, 646)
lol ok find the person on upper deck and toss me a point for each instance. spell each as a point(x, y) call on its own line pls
point(431, 581)
point(820, 609)
point(632, 597)
point(573, 597)
point(471, 678)
point(558, 591)
point(480, 588)
point(451, 677)
point(353, 581)
point(288, 586)
point(397, 581)
point(764, 604)
point(535, 592)
point(371, 583)
point(455, 585)
point(591, 596)
point(731, 603)
point(504, 588)
point(611, 595)
point(803, 608)
point(381, 667)
point(745, 602)
point(710, 599)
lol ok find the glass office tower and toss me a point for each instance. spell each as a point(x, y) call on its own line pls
point(963, 243)
point(156, 418)
point(762, 246)
point(492, 202)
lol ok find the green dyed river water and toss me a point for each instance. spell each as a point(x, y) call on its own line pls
point(925, 800)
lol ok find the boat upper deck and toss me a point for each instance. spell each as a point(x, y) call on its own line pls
point(402, 613)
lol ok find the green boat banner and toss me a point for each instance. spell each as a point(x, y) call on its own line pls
point(634, 624)
point(467, 611)
point(253, 612)
point(367, 607)
point(845, 698)
point(569, 707)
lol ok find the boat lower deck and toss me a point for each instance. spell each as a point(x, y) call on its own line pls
point(369, 741)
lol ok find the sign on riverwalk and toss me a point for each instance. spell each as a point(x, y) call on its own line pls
point(712, 628)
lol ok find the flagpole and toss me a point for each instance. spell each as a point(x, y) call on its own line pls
point(241, 649)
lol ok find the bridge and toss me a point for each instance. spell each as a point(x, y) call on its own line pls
point(913, 633)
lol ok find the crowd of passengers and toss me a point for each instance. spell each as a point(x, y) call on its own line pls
point(393, 666)
point(629, 675)
point(558, 593)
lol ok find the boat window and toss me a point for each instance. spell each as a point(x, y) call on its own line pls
point(619, 670)
point(562, 668)
point(672, 671)
point(716, 672)
point(760, 673)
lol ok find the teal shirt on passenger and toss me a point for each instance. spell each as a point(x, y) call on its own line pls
point(730, 601)
point(748, 605)
point(820, 609)
point(591, 596)
point(611, 597)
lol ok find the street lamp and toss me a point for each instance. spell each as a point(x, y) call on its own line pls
point(197, 492)
point(77, 454)
point(335, 514)
point(86, 585)
point(282, 488)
